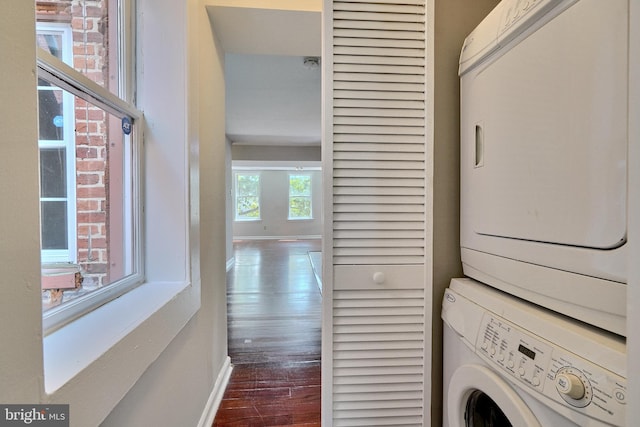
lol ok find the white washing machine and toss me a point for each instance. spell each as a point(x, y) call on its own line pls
point(510, 363)
point(544, 140)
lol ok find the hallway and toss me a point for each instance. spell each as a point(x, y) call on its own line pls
point(274, 327)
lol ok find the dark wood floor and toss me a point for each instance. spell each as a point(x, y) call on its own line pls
point(273, 303)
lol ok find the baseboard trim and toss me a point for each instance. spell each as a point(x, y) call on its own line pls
point(213, 403)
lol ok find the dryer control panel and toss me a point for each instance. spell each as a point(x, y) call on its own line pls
point(572, 382)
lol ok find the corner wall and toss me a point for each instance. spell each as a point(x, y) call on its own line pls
point(175, 389)
point(454, 20)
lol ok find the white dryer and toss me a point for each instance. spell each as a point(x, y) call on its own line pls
point(544, 138)
point(511, 363)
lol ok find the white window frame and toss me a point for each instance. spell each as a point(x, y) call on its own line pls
point(65, 77)
point(70, 254)
point(310, 197)
point(237, 196)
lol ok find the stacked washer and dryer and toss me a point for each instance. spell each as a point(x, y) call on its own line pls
point(535, 334)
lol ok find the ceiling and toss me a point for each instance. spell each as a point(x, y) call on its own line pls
point(272, 96)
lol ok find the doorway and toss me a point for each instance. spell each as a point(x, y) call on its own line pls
point(274, 324)
point(273, 298)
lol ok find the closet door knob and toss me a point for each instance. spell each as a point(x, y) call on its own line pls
point(378, 277)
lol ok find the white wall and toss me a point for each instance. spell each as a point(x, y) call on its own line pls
point(21, 372)
point(281, 153)
point(274, 205)
point(175, 388)
point(451, 27)
point(154, 381)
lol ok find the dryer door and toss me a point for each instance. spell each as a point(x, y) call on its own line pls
point(478, 397)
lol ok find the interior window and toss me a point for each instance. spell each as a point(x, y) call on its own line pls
point(300, 197)
point(247, 196)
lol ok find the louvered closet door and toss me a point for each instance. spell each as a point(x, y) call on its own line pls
point(378, 212)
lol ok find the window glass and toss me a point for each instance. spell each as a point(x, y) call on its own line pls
point(300, 197)
point(93, 30)
point(89, 157)
point(86, 202)
point(247, 196)
point(51, 109)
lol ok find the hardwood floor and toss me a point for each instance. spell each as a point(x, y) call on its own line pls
point(274, 322)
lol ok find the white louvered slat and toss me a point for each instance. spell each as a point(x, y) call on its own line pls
point(358, 58)
point(377, 118)
point(382, 32)
point(391, 7)
point(389, 25)
point(378, 356)
point(415, 2)
point(393, 51)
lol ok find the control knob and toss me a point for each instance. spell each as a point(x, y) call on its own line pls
point(570, 385)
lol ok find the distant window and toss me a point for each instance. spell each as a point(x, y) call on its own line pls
point(300, 197)
point(247, 196)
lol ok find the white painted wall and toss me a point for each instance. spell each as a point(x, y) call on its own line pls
point(175, 388)
point(21, 372)
point(160, 372)
point(274, 222)
point(451, 28)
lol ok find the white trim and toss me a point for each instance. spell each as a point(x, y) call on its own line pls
point(74, 347)
point(301, 166)
point(327, 208)
point(429, 303)
point(81, 86)
point(301, 237)
point(213, 403)
point(633, 292)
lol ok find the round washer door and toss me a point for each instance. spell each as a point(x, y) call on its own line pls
point(479, 397)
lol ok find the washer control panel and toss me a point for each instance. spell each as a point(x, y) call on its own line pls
point(519, 354)
point(571, 381)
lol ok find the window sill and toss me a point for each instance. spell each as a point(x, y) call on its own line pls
point(110, 335)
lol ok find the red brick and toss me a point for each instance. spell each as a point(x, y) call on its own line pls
point(91, 217)
point(82, 63)
point(96, 243)
point(84, 49)
point(88, 179)
point(83, 254)
point(90, 165)
point(87, 230)
point(88, 205)
point(87, 152)
point(90, 193)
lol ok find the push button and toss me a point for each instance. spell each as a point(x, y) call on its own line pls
point(620, 396)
